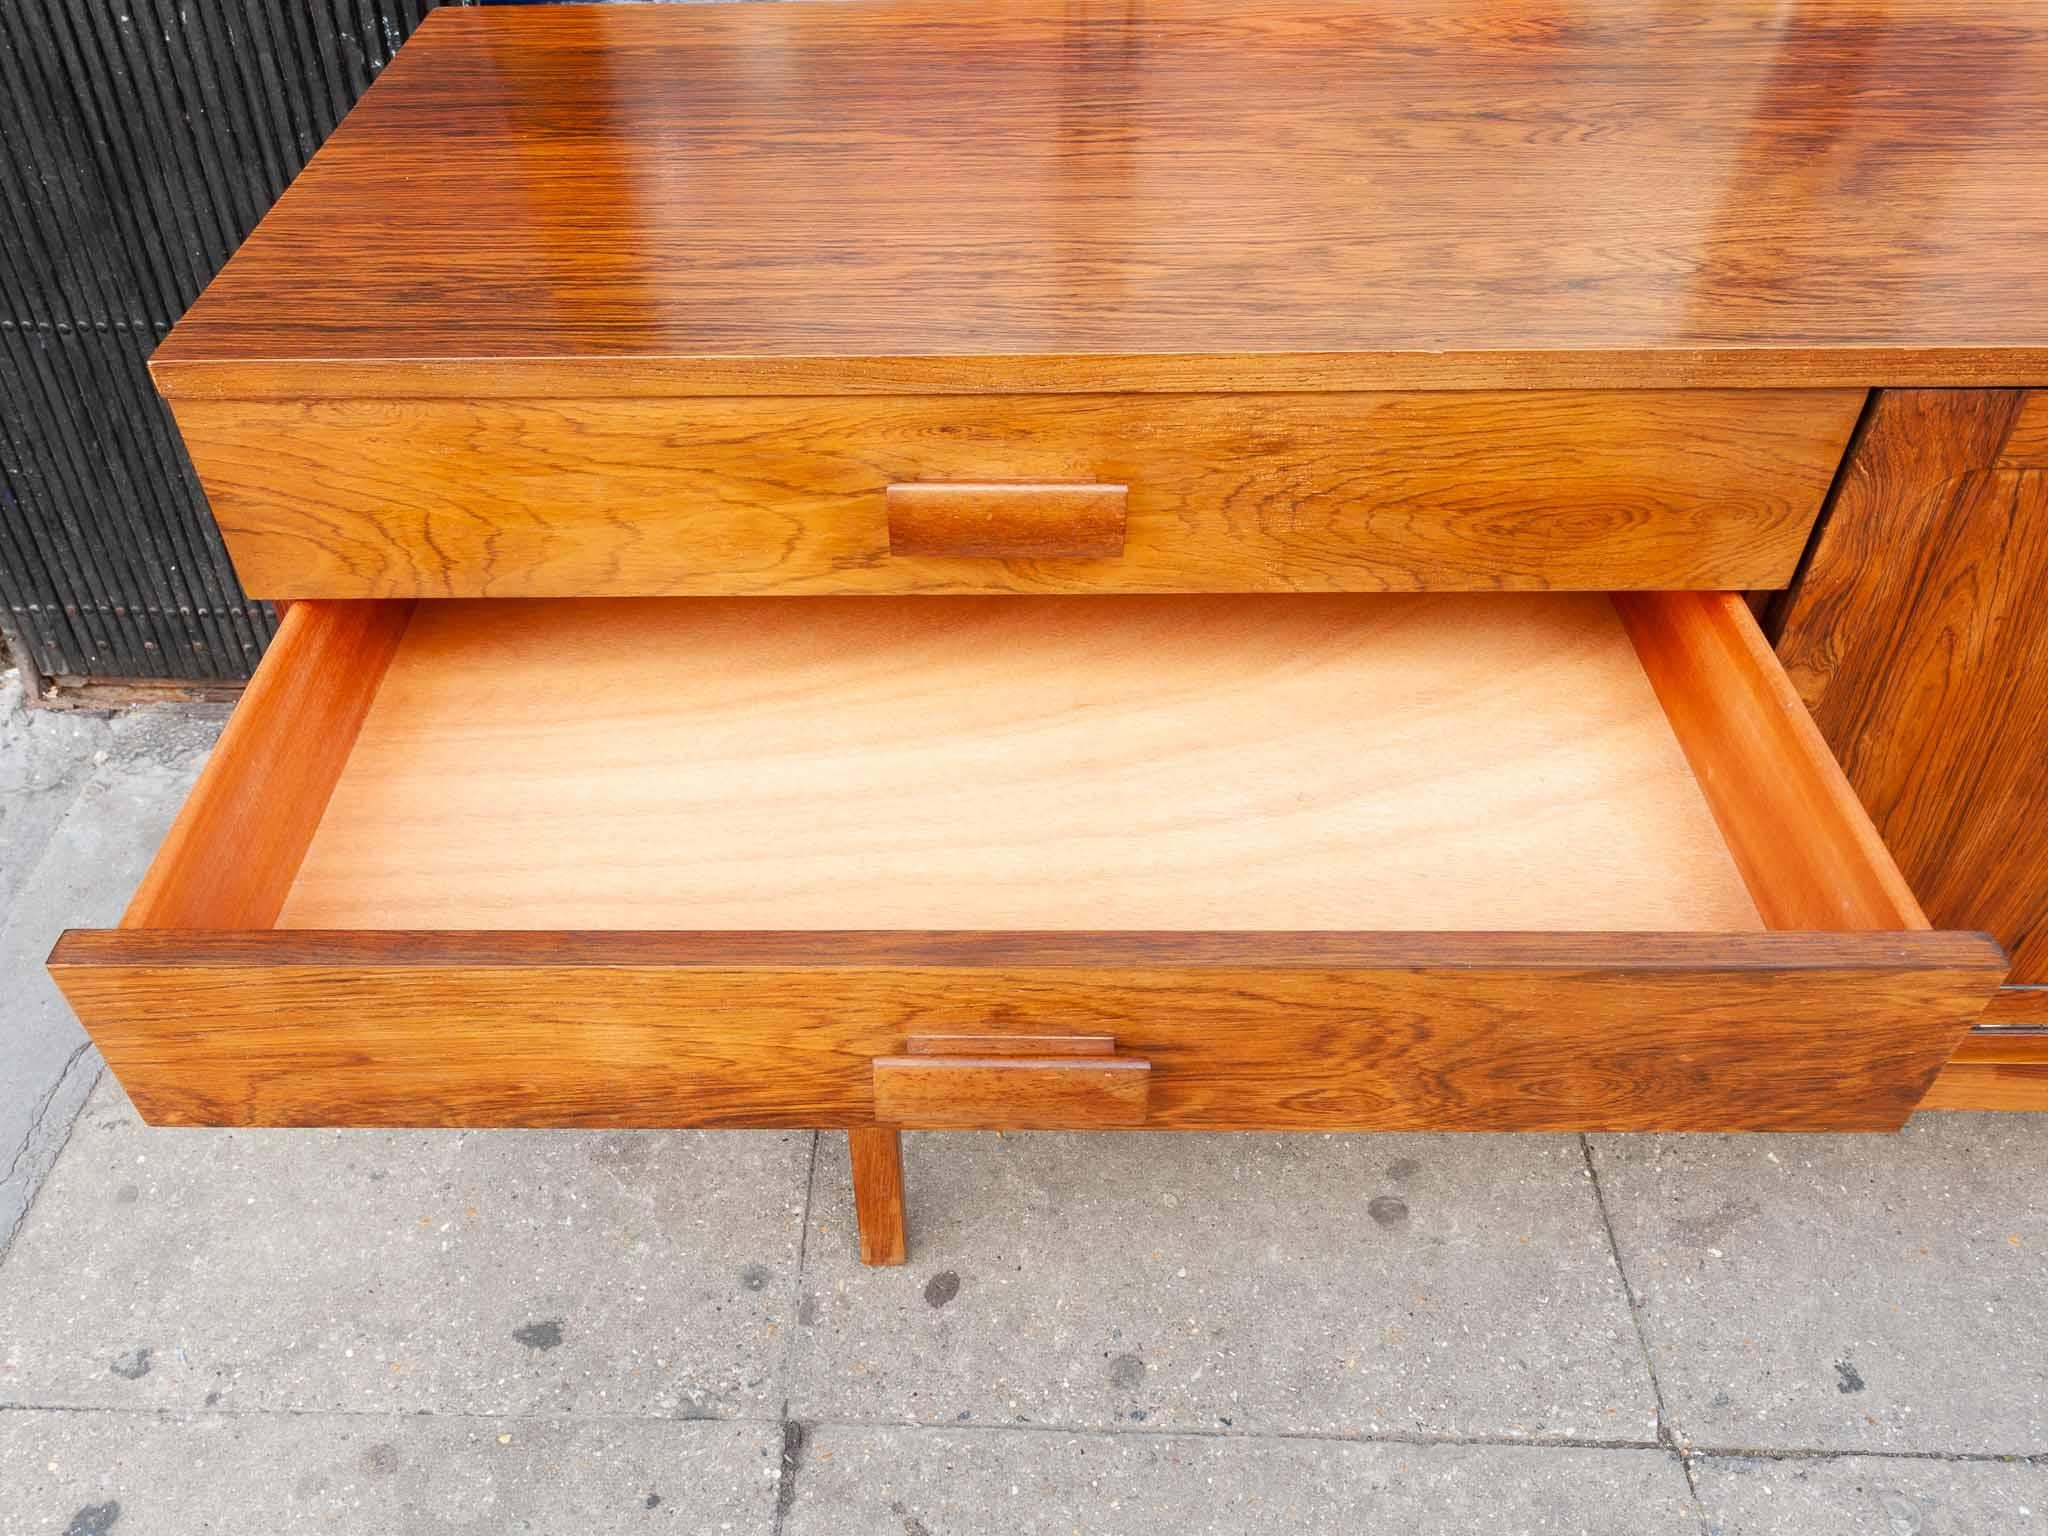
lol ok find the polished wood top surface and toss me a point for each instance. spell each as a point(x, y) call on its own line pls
point(1162, 194)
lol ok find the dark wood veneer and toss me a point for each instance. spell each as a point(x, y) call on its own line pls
point(1026, 196)
point(1918, 638)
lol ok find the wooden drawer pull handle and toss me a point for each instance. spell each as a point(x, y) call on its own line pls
point(1007, 522)
point(958, 1044)
point(1011, 1093)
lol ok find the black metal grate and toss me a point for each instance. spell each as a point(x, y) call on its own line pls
point(138, 144)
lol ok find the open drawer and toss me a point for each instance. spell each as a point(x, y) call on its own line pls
point(1514, 861)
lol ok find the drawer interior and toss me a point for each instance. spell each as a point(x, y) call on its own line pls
point(1510, 861)
point(1512, 762)
point(1418, 762)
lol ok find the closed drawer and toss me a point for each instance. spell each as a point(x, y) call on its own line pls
point(1523, 861)
point(535, 497)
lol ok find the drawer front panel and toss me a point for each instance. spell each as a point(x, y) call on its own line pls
point(1585, 490)
point(1248, 1031)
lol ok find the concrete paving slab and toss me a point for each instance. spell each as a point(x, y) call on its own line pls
point(1006, 1482)
point(1328, 1284)
point(45, 758)
point(492, 1271)
point(1843, 1292)
point(83, 874)
point(1872, 1496)
point(124, 1474)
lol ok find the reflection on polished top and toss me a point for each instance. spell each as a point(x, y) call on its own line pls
point(1163, 194)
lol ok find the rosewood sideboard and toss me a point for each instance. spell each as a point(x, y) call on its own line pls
point(1183, 565)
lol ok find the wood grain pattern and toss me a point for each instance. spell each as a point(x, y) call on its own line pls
point(1406, 1031)
point(1910, 448)
point(2024, 1044)
point(1919, 639)
point(2026, 445)
point(2002, 1064)
point(1012, 1093)
point(232, 854)
point(1007, 522)
point(877, 1155)
point(1990, 1085)
point(1807, 850)
point(1485, 490)
point(1413, 194)
point(2018, 1004)
point(1010, 1045)
point(1390, 761)
point(1998, 1066)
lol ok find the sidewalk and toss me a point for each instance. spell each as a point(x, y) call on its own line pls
point(446, 1331)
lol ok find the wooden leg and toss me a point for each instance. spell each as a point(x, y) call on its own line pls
point(878, 1192)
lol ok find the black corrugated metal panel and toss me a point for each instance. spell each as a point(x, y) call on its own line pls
point(138, 144)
